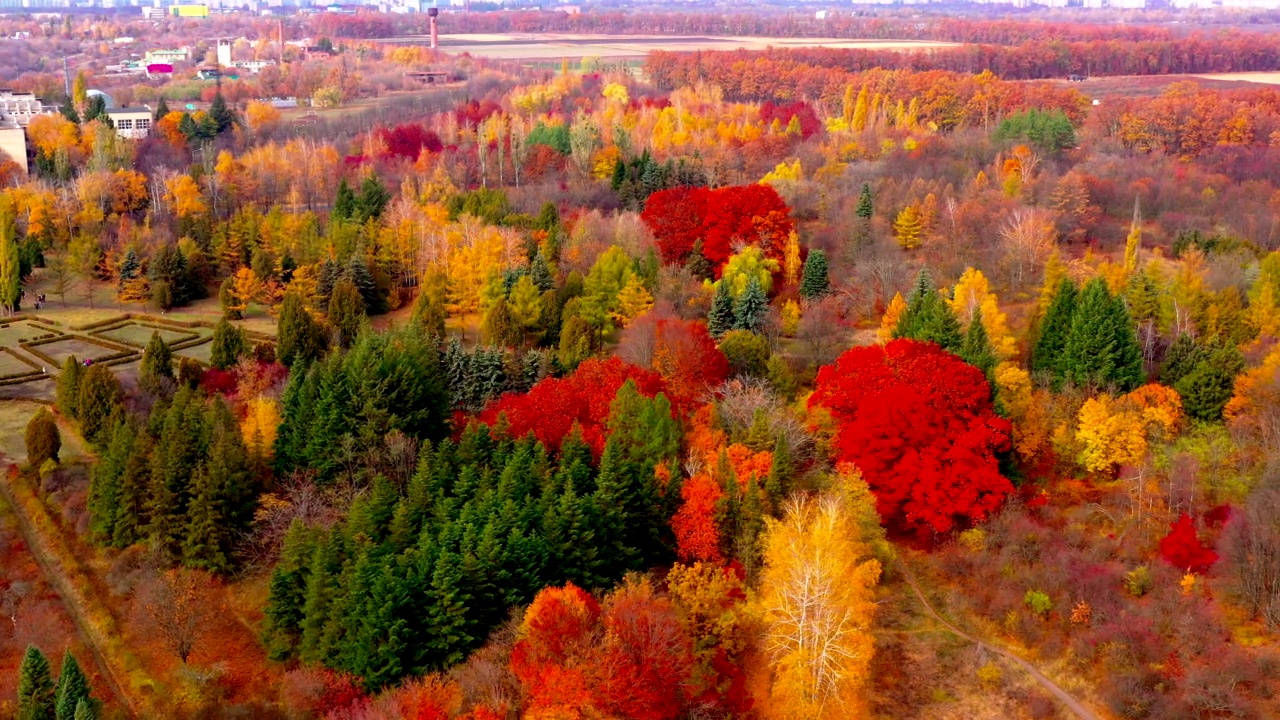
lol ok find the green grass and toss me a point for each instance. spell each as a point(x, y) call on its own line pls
point(201, 352)
point(14, 416)
point(21, 331)
point(62, 349)
point(10, 365)
point(140, 335)
point(38, 389)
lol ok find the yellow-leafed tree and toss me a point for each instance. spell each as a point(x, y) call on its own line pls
point(972, 292)
point(817, 602)
point(889, 322)
point(259, 427)
point(908, 229)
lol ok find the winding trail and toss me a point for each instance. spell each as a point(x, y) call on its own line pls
point(1066, 698)
point(48, 548)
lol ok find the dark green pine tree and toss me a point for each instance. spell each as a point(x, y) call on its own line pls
point(866, 206)
point(540, 273)
point(752, 306)
point(323, 577)
point(73, 688)
point(129, 268)
point(36, 695)
point(162, 109)
point(977, 349)
point(1181, 359)
point(1102, 350)
point(131, 515)
point(156, 374)
point(346, 311)
point(447, 613)
point(223, 117)
point(85, 710)
point(299, 338)
point(721, 318)
point(187, 126)
point(814, 281)
point(928, 318)
point(104, 486)
point(183, 443)
point(228, 345)
point(1048, 356)
point(1207, 388)
point(344, 202)
point(372, 200)
point(697, 264)
point(751, 524)
point(777, 486)
point(283, 616)
point(99, 400)
point(357, 271)
point(68, 111)
point(68, 390)
point(381, 636)
point(619, 175)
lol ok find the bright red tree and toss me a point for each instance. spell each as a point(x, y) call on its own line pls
point(1183, 549)
point(555, 657)
point(723, 219)
point(919, 423)
point(694, 524)
point(551, 408)
point(647, 659)
point(688, 359)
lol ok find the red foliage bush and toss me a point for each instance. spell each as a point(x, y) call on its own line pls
point(408, 141)
point(475, 112)
point(218, 381)
point(723, 219)
point(552, 407)
point(810, 125)
point(919, 423)
point(1183, 549)
point(694, 524)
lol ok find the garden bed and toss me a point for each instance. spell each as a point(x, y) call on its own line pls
point(56, 350)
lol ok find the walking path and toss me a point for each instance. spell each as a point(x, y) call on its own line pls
point(1071, 702)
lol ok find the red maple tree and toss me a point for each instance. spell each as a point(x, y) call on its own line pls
point(552, 407)
point(1183, 549)
point(694, 524)
point(919, 423)
point(724, 219)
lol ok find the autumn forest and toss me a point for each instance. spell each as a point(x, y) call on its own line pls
point(802, 382)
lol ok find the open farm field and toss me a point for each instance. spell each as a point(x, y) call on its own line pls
point(557, 45)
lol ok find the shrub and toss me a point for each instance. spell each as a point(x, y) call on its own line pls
point(990, 675)
point(747, 352)
point(43, 439)
point(1037, 602)
point(1139, 581)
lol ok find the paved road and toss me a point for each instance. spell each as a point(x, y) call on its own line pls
point(1072, 704)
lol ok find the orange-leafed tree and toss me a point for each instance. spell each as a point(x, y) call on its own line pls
point(555, 658)
point(646, 659)
point(694, 524)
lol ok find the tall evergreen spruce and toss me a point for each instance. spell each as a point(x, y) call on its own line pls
point(977, 349)
point(344, 202)
point(1048, 357)
point(752, 306)
point(814, 280)
point(1101, 349)
point(72, 689)
point(721, 318)
point(68, 390)
point(1206, 389)
point(928, 318)
point(156, 373)
point(36, 693)
point(299, 337)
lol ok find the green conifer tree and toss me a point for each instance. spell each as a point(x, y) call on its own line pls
point(68, 390)
point(977, 349)
point(72, 689)
point(814, 281)
point(1048, 357)
point(99, 399)
point(1102, 350)
point(752, 306)
point(721, 318)
point(36, 695)
point(1207, 388)
point(156, 374)
point(42, 438)
point(344, 202)
point(928, 318)
point(228, 345)
point(346, 311)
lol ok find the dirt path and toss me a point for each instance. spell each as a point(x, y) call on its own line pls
point(48, 548)
point(1071, 702)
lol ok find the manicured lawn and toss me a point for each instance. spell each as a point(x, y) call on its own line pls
point(10, 365)
point(60, 350)
point(14, 416)
point(40, 389)
point(140, 335)
point(21, 331)
point(201, 352)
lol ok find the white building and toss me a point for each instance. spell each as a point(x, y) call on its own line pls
point(131, 122)
point(17, 109)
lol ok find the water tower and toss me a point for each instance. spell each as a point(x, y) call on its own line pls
point(433, 13)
